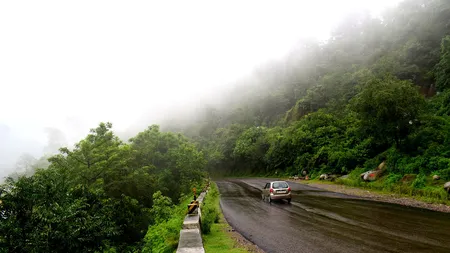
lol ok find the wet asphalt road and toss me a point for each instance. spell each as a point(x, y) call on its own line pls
point(322, 221)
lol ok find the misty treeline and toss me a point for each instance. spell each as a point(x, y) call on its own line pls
point(365, 96)
point(100, 196)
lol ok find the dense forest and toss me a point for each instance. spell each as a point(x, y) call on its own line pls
point(377, 90)
point(101, 196)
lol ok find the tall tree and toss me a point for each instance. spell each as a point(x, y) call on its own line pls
point(388, 109)
point(442, 71)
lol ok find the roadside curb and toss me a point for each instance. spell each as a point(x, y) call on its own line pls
point(190, 235)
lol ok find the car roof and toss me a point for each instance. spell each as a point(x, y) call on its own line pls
point(278, 182)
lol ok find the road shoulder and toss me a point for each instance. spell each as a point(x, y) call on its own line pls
point(223, 238)
point(375, 195)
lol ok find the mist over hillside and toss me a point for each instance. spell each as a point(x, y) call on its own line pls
point(115, 111)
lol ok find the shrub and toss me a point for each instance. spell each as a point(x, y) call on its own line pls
point(355, 174)
point(210, 209)
point(162, 207)
point(163, 237)
point(391, 180)
point(419, 182)
point(444, 174)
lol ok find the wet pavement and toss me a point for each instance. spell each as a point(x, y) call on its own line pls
point(322, 221)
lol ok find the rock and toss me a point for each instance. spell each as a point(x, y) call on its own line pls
point(344, 177)
point(381, 166)
point(447, 187)
point(436, 177)
point(332, 177)
point(304, 173)
point(362, 175)
point(296, 178)
point(370, 175)
point(323, 177)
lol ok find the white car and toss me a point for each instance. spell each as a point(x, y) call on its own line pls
point(277, 190)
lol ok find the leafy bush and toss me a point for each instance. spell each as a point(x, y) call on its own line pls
point(210, 209)
point(162, 207)
point(163, 237)
point(391, 180)
point(419, 182)
point(444, 174)
point(355, 174)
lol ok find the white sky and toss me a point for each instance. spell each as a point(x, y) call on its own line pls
point(73, 64)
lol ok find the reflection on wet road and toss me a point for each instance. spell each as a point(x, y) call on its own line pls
point(322, 221)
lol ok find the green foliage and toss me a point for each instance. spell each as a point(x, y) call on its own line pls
point(218, 239)
point(444, 174)
point(419, 182)
point(388, 109)
point(102, 195)
point(162, 207)
point(174, 163)
point(43, 216)
point(338, 107)
point(210, 209)
point(442, 71)
point(391, 180)
point(251, 147)
point(345, 106)
point(163, 236)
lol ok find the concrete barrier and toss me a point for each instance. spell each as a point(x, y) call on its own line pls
point(190, 236)
point(191, 221)
point(190, 241)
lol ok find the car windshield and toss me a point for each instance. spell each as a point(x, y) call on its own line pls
point(279, 185)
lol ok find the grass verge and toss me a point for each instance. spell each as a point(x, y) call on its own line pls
point(219, 238)
point(384, 195)
point(418, 187)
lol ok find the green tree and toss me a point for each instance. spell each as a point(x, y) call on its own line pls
point(388, 109)
point(250, 149)
point(162, 207)
point(442, 71)
point(175, 161)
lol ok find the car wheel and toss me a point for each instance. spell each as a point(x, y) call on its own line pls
point(289, 201)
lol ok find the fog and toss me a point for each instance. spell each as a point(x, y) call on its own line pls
point(66, 66)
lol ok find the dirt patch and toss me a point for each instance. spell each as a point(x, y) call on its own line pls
point(239, 239)
point(408, 178)
point(382, 197)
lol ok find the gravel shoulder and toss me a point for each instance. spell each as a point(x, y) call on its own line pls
point(377, 196)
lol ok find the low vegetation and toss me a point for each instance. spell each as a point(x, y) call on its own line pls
point(419, 186)
point(216, 237)
point(210, 209)
point(164, 234)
